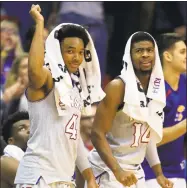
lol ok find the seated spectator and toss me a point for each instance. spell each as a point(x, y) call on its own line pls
point(16, 134)
point(17, 82)
point(11, 46)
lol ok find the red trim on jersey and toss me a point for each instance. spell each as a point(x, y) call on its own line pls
point(73, 126)
point(168, 93)
point(142, 134)
point(148, 136)
point(135, 134)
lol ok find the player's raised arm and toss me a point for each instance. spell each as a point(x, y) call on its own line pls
point(105, 114)
point(38, 75)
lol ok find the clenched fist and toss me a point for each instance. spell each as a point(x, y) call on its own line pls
point(126, 178)
point(35, 13)
point(164, 182)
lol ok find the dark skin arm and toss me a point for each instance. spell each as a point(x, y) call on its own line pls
point(9, 168)
point(40, 79)
point(161, 179)
point(102, 125)
point(87, 175)
point(79, 179)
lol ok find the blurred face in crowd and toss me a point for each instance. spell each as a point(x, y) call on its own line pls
point(9, 35)
point(143, 56)
point(176, 57)
point(20, 134)
point(72, 53)
point(23, 70)
point(87, 121)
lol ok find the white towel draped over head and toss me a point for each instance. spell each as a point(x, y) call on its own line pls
point(139, 106)
point(87, 79)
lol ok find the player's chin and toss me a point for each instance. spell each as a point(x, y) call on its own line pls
point(73, 70)
point(146, 70)
point(146, 67)
point(184, 69)
point(184, 72)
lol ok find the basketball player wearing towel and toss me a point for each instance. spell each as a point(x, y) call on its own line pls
point(55, 145)
point(128, 121)
point(172, 50)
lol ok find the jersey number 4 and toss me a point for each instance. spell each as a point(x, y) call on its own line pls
point(139, 135)
point(71, 127)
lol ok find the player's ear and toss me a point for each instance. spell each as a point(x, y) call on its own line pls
point(167, 56)
point(11, 140)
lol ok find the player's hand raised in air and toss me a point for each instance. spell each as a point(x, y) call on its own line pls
point(126, 178)
point(35, 13)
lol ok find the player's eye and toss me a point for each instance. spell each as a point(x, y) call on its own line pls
point(139, 50)
point(82, 53)
point(70, 51)
point(150, 50)
point(22, 129)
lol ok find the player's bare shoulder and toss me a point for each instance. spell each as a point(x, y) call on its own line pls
point(115, 91)
point(40, 93)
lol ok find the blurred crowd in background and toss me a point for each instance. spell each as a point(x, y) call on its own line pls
point(109, 23)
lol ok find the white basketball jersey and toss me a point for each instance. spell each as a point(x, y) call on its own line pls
point(128, 139)
point(52, 147)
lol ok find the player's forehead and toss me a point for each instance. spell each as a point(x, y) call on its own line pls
point(21, 123)
point(142, 44)
point(73, 42)
point(180, 45)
